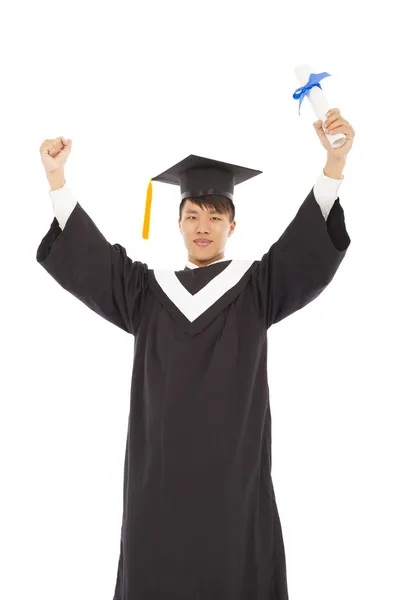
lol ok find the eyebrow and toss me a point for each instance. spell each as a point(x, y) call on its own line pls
point(196, 212)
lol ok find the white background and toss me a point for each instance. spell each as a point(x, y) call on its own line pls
point(138, 87)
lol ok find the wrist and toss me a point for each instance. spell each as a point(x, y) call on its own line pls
point(334, 168)
point(56, 179)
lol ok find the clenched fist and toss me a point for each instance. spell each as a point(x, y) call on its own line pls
point(54, 153)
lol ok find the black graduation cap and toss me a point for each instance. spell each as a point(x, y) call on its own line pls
point(199, 176)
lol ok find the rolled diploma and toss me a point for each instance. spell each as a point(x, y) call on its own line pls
point(319, 103)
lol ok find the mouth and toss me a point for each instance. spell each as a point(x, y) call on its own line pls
point(202, 243)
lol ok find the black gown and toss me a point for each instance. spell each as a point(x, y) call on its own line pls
point(200, 520)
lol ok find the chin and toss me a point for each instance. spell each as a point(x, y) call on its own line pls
point(202, 253)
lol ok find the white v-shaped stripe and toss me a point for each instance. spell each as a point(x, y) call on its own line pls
point(192, 306)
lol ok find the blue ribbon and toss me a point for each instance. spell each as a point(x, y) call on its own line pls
point(313, 81)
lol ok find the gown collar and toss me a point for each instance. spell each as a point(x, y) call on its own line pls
point(191, 265)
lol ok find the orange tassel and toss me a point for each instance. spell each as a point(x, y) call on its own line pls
point(146, 224)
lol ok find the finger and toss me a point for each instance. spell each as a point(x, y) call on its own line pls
point(331, 115)
point(337, 123)
point(342, 129)
point(318, 128)
point(337, 119)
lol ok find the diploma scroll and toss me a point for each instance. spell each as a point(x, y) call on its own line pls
point(319, 103)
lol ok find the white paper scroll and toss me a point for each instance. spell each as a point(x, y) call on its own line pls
point(319, 103)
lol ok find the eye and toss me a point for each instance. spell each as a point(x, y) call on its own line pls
point(192, 217)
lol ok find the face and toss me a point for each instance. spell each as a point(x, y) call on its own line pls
point(207, 224)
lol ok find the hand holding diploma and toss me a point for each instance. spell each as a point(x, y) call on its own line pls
point(336, 134)
point(335, 123)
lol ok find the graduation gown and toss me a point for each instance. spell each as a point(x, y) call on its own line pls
point(200, 519)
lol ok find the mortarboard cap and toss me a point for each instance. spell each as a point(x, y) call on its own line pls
point(199, 176)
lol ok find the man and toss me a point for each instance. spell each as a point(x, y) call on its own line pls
point(200, 520)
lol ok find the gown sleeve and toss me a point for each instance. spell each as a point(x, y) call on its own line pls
point(98, 273)
point(302, 262)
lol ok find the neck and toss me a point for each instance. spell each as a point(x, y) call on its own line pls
point(204, 263)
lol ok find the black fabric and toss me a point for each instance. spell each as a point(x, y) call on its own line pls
point(99, 274)
point(200, 519)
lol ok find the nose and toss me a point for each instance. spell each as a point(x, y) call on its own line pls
point(203, 225)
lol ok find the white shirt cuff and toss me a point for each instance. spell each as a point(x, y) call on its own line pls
point(326, 191)
point(63, 204)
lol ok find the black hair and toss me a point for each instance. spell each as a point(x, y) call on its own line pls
point(221, 204)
